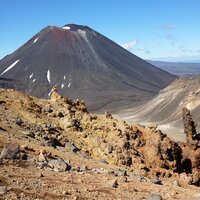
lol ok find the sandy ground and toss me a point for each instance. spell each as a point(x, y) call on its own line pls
point(23, 181)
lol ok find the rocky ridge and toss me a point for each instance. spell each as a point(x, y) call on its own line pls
point(60, 135)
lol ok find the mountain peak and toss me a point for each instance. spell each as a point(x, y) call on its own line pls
point(75, 27)
point(82, 63)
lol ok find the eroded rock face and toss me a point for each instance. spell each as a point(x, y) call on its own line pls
point(191, 151)
point(193, 139)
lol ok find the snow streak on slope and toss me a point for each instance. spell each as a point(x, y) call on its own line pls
point(10, 67)
point(31, 76)
point(48, 76)
point(35, 40)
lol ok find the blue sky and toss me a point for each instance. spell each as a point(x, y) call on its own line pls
point(151, 29)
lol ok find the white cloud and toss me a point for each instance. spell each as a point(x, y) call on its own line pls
point(187, 50)
point(167, 27)
point(129, 45)
point(170, 37)
point(143, 49)
point(147, 52)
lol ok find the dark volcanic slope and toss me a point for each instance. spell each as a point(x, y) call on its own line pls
point(84, 64)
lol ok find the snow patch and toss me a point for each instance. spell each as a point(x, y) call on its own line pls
point(62, 86)
point(35, 40)
point(70, 79)
point(82, 33)
point(66, 27)
point(10, 67)
point(69, 83)
point(31, 76)
point(48, 76)
point(34, 80)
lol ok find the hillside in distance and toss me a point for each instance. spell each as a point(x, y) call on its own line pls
point(165, 108)
point(178, 68)
point(84, 64)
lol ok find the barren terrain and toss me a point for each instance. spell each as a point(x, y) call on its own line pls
point(165, 109)
point(55, 149)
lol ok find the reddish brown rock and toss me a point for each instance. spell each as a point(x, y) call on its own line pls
point(191, 149)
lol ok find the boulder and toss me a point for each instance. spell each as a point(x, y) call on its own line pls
point(71, 147)
point(18, 121)
point(156, 180)
point(54, 143)
point(154, 197)
point(3, 190)
point(59, 165)
point(10, 151)
point(115, 184)
point(42, 156)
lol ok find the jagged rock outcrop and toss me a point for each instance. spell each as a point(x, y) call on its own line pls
point(193, 139)
point(192, 149)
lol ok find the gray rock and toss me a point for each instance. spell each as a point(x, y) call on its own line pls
point(156, 180)
point(10, 151)
point(120, 172)
point(30, 134)
point(3, 190)
point(72, 147)
point(141, 179)
point(176, 183)
point(98, 170)
point(18, 121)
point(110, 171)
point(59, 165)
point(54, 143)
point(83, 168)
point(196, 196)
point(45, 137)
point(133, 176)
point(115, 184)
point(154, 197)
point(59, 114)
point(24, 156)
point(103, 161)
